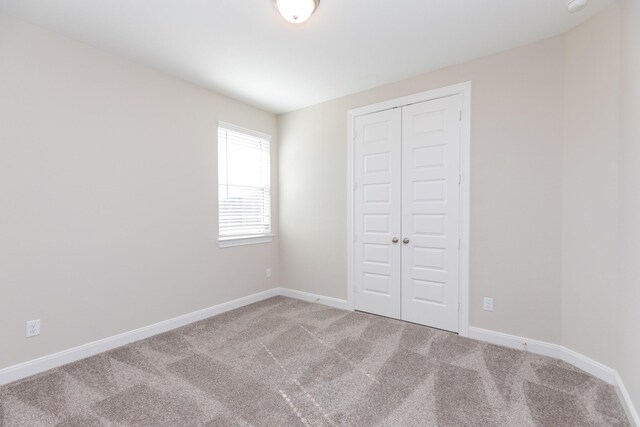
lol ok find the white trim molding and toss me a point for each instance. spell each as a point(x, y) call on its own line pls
point(228, 242)
point(241, 129)
point(626, 401)
point(35, 366)
point(464, 90)
point(320, 299)
point(513, 341)
point(41, 364)
point(557, 351)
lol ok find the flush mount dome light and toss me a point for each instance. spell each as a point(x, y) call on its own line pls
point(296, 11)
point(576, 5)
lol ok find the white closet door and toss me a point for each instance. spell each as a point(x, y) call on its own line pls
point(431, 212)
point(377, 212)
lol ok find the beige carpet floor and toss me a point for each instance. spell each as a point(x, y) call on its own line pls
point(283, 362)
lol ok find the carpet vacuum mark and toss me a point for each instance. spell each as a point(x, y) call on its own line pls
point(284, 362)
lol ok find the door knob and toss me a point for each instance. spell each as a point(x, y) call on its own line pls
point(394, 240)
point(405, 240)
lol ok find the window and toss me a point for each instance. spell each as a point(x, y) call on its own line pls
point(244, 186)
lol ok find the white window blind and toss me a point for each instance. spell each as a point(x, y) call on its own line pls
point(244, 182)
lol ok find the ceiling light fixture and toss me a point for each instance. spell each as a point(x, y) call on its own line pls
point(576, 5)
point(296, 11)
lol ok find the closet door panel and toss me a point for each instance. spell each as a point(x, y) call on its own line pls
point(377, 196)
point(431, 212)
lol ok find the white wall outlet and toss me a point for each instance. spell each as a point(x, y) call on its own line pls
point(487, 304)
point(33, 328)
point(269, 272)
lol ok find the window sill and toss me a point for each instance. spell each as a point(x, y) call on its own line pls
point(227, 242)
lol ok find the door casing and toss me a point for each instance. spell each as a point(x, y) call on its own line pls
point(463, 89)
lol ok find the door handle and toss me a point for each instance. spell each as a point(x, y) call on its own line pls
point(405, 240)
point(394, 240)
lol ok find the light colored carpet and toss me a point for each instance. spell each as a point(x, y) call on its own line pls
point(283, 362)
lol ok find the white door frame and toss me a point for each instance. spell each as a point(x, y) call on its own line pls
point(463, 89)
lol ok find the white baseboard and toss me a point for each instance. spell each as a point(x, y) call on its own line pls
point(590, 366)
point(519, 343)
point(627, 403)
point(41, 364)
point(320, 299)
point(35, 366)
point(557, 351)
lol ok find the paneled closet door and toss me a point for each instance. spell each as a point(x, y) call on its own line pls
point(431, 134)
point(377, 197)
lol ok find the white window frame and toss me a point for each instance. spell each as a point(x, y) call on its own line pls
point(231, 241)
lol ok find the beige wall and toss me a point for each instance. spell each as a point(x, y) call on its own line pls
point(590, 185)
point(516, 175)
point(108, 217)
point(628, 303)
point(601, 194)
point(107, 186)
point(555, 191)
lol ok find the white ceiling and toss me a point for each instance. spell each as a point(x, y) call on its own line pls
point(244, 49)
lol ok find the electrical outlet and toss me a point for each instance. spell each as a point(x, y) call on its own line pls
point(488, 304)
point(33, 328)
point(269, 272)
